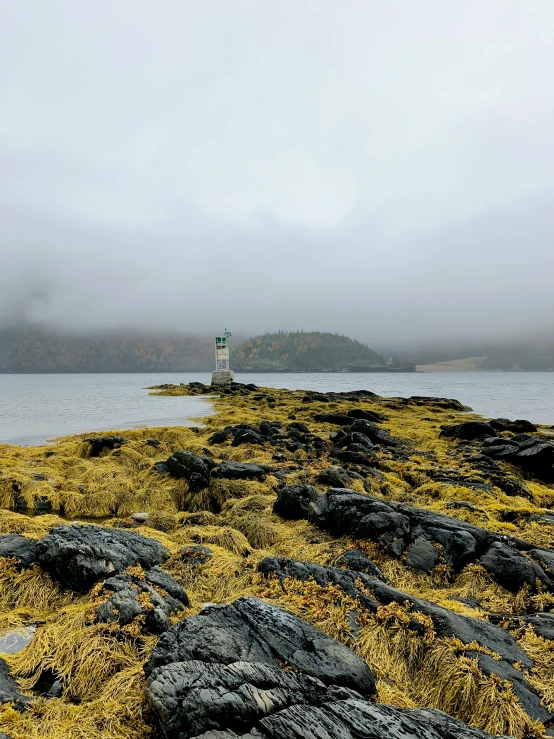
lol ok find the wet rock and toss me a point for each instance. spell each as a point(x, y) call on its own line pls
point(375, 433)
point(338, 419)
point(153, 443)
point(517, 427)
point(193, 468)
point(511, 569)
point(9, 692)
point(246, 436)
point(131, 597)
point(348, 456)
point(161, 467)
point(253, 631)
point(335, 477)
point(468, 430)
point(527, 695)
point(195, 554)
point(445, 622)
point(355, 438)
point(56, 689)
point(293, 501)
point(100, 444)
point(190, 698)
point(422, 555)
point(19, 547)
point(365, 415)
point(298, 426)
point(78, 556)
point(241, 471)
point(354, 560)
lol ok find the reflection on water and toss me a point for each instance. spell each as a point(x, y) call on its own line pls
point(14, 641)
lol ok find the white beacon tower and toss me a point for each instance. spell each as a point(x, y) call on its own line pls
point(222, 375)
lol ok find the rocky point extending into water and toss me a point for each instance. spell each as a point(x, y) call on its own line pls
point(326, 565)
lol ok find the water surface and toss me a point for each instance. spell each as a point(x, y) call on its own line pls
point(35, 408)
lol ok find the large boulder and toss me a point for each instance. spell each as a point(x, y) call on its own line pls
point(20, 548)
point(78, 556)
point(193, 468)
point(531, 453)
point(511, 569)
point(468, 430)
point(253, 631)
point(293, 501)
point(374, 433)
point(241, 471)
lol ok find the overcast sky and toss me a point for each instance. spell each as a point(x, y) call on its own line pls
point(382, 169)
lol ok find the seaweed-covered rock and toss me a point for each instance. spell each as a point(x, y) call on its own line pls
point(398, 527)
point(353, 559)
point(517, 427)
point(335, 477)
point(468, 430)
point(293, 501)
point(98, 444)
point(195, 554)
point(251, 630)
point(241, 471)
point(19, 547)
point(193, 468)
point(511, 569)
point(132, 597)
point(78, 556)
point(338, 419)
point(365, 415)
point(445, 622)
point(375, 433)
point(9, 692)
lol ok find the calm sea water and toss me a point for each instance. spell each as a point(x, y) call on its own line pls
point(35, 408)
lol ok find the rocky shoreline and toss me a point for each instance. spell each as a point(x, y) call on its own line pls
point(326, 565)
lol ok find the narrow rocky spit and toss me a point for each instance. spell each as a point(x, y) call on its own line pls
point(304, 565)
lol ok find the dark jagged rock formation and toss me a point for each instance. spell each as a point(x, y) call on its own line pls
point(293, 501)
point(21, 548)
point(295, 436)
point(400, 529)
point(469, 430)
point(252, 630)
point(79, 556)
point(193, 468)
point(445, 622)
point(127, 600)
point(99, 444)
point(533, 454)
point(9, 692)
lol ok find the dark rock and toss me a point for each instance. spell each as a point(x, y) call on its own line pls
point(519, 426)
point(253, 631)
point(190, 698)
point(193, 468)
point(297, 426)
point(335, 477)
point(422, 555)
point(101, 443)
point(153, 443)
point(56, 689)
point(161, 579)
point(195, 554)
point(293, 501)
point(375, 433)
point(365, 415)
point(246, 436)
point(9, 692)
point(78, 556)
point(445, 622)
point(19, 547)
point(468, 430)
point(241, 471)
point(220, 437)
point(361, 440)
point(363, 459)
point(528, 697)
point(161, 467)
point(354, 560)
point(131, 598)
point(338, 419)
point(511, 569)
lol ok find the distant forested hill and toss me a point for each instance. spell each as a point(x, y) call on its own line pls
point(34, 350)
point(302, 351)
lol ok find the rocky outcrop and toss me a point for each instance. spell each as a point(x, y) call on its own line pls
point(79, 556)
point(22, 549)
point(533, 454)
point(251, 630)
point(241, 471)
point(426, 538)
point(293, 501)
point(99, 444)
point(153, 598)
point(295, 436)
point(468, 430)
point(9, 692)
point(192, 467)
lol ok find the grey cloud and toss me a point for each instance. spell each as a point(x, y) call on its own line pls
point(384, 170)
